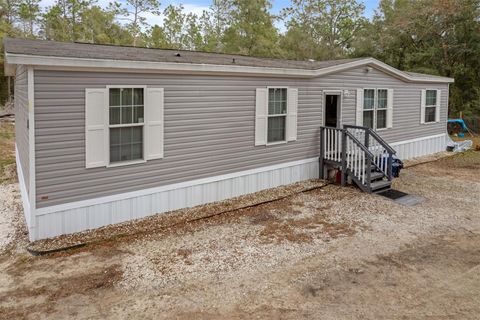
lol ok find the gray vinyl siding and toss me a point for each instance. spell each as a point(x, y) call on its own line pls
point(406, 104)
point(209, 128)
point(21, 120)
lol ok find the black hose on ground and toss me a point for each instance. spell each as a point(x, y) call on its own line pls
point(35, 252)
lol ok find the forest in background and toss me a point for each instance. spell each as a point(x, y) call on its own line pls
point(439, 37)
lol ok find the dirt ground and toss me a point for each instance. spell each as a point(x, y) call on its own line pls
point(328, 253)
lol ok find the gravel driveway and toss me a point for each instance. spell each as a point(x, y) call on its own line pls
point(327, 253)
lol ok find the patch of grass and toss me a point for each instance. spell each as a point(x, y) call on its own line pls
point(467, 160)
point(7, 152)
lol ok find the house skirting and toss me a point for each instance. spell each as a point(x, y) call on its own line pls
point(90, 214)
point(413, 148)
point(94, 213)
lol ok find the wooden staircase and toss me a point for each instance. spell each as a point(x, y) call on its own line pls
point(360, 154)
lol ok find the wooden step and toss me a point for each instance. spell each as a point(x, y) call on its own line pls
point(372, 167)
point(375, 175)
point(381, 184)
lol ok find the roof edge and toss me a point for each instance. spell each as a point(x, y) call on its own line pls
point(12, 59)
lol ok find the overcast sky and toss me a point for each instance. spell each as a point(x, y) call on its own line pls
point(197, 6)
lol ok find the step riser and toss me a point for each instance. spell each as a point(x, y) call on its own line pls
point(380, 185)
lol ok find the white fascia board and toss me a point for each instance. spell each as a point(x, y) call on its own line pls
point(175, 67)
point(47, 61)
point(431, 79)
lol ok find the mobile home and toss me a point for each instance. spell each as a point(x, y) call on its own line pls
point(106, 134)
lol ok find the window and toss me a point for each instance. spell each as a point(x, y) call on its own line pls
point(277, 114)
point(382, 108)
point(375, 106)
point(368, 107)
point(430, 105)
point(126, 106)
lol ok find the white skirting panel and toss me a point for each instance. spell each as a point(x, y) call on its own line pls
point(95, 213)
point(420, 147)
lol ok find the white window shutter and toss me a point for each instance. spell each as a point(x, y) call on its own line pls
point(292, 106)
point(359, 121)
point(390, 108)
point(96, 128)
point(153, 140)
point(422, 107)
point(437, 109)
point(261, 109)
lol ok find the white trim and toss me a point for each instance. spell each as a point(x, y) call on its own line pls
point(125, 163)
point(430, 122)
point(126, 86)
point(23, 190)
point(105, 64)
point(123, 196)
point(31, 144)
point(333, 92)
point(127, 125)
point(277, 87)
point(276, 143)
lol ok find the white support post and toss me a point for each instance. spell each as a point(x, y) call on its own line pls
point(31, 148)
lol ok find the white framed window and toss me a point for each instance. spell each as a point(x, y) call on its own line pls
point(376, 108)
point(381, 112)
point(430, 105)
point(368, 107)
point(277, 115)
point(126, 124)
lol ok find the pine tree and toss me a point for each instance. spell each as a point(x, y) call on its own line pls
point(329, 25)
point(133, 11)
point(252, 31)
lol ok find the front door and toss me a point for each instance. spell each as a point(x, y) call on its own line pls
point(332, 110)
